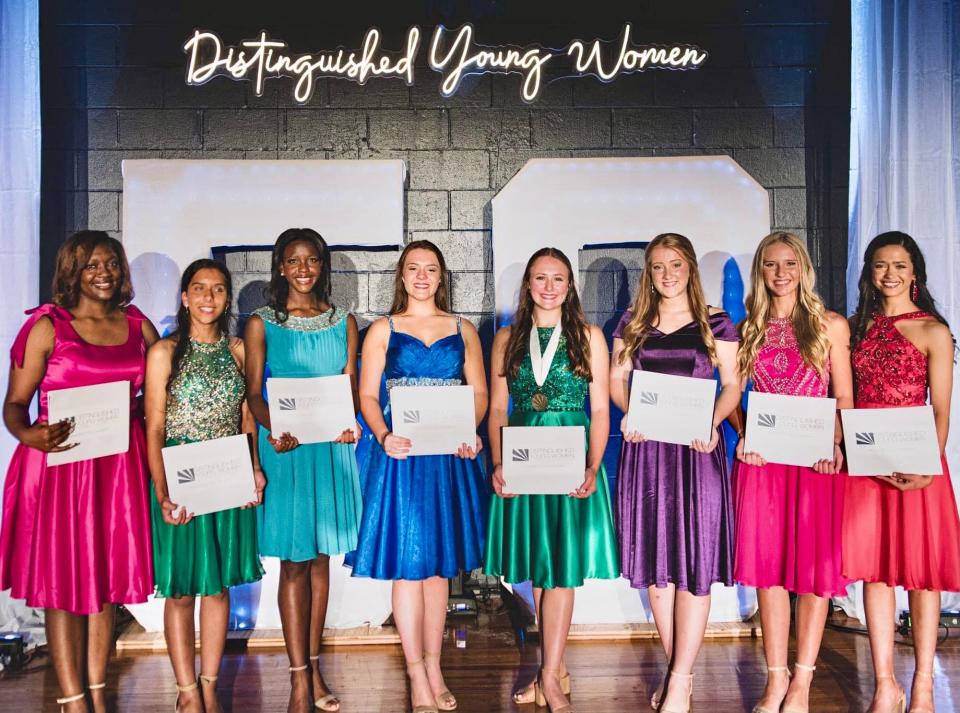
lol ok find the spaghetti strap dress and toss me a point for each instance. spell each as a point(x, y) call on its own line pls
point(901, 538)
point(789, 518)
point(311, 505)
point(423, 516)
point(217, 550)
point(77, 536)
point(552, 540)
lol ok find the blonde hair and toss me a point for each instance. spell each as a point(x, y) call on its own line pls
point(807, 319)
point(646, 305)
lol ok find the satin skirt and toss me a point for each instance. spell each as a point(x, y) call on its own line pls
point(311, 504)
point(206, 555)
point(77, 536)
point(788, 529)
point(423, 516)
point(909, 539)
point(675, 516)
point(553, 540)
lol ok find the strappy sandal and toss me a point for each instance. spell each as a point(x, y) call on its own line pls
point(446, 701)
point(763, 709)
point(69, 699)
point(802, 667)
point(328, 702)
point(411, 665)
point(182, 689)
point(541, 699)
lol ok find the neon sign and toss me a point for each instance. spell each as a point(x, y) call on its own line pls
point(453, 57)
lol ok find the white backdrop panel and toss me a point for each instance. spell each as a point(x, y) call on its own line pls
point(569, 203)
point(176, 211)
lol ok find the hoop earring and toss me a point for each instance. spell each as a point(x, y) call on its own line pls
point(914, 291)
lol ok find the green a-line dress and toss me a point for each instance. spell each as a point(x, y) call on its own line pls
point(217, 550)
point(552, 540)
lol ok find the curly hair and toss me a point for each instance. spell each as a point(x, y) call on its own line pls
point(72, 259)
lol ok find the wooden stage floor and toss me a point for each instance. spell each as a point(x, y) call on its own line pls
point(607, 676)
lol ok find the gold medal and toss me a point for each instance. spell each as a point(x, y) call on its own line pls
point(540, 401)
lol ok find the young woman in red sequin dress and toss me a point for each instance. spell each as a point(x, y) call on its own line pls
point(902, 529)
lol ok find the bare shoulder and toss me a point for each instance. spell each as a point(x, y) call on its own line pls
point(935, 332)
point(468, 327)
point(836, 324)
point(236, 345)
point(596, 335)
point(163, 346)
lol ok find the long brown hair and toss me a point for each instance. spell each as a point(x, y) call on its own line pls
point(442, 296)
point(807, 319)
point(574, 325)
point(645, 309)
point(279, 289)
point(72, 258)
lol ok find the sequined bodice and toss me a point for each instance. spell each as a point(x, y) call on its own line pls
point(411, 362)
point(565, 391)
point(779, 367)
point(301, 347)
point(887, 369)
point(206, 395)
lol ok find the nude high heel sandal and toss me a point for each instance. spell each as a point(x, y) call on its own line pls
point(411, 665)
point(802, 667)
point(901, 705)
point(539, 697)
point(763, 709)
point(328, 702)
point(69, 699)
point(528, 695)
point(182, 689)
point(921, 710)
point(689, 677)
point(446, 701)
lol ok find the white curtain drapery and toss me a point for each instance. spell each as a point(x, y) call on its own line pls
point(905, 156)
point(19, 203)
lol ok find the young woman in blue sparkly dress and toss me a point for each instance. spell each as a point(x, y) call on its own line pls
point(423, 516)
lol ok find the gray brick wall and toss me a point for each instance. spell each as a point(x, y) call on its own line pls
point(113, 88)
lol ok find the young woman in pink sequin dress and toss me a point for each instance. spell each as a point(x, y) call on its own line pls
point(901, 530)
point(788, 517)
point(75, 538)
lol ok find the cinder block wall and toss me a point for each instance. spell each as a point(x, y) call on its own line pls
point(772, 95)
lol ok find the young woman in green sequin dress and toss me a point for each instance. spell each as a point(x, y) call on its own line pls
point(555, 541)
point(195, 392)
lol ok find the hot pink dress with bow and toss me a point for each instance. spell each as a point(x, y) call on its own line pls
point(77, 536)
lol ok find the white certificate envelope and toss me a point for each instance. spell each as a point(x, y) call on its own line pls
point(312, 410)
point(436, 419)
point(543, 460)
point(671, 409)
point(883, 441)
point(210, 476)
point(101, 417)
point(792, 430)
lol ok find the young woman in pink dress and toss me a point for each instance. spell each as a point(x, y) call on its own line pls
point(75, 538)
point(788, 517)
point(901, 530)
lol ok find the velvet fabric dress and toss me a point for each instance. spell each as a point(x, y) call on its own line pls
point(674, 506)
point(552, 540)
point(901, 538)
point(77, 536)
point(217, 550)
point(423, 516)
point(788, 517)
point(311, 504)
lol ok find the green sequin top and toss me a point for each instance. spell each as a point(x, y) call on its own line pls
point(205, 398)
point(564, 390)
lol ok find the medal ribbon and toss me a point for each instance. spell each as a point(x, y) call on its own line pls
point(540, 363)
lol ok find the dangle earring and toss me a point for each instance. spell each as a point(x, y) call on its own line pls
point(914, 291)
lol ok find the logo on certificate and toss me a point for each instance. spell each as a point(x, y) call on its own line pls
point(866, 439)
point(287, 404)
point(411, 416)
point(520, 455)
point(649, 398)
point(767, 420)
point(186, 476)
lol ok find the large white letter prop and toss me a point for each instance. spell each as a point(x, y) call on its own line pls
point(176, 211)
point(569, 203)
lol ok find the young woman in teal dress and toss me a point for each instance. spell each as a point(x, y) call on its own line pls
point(311, 506)
point(194, 392)
point(423, 515)
point(555, 541)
